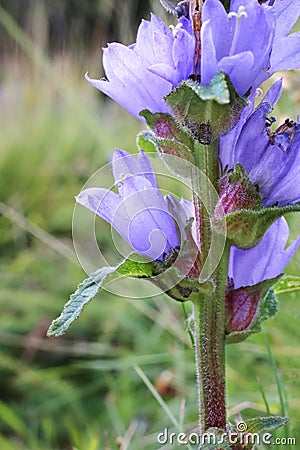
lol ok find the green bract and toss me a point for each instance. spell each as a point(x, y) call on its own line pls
point(206, 112)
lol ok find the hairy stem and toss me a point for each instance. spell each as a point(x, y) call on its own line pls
point(209, 311)
point(209, 343)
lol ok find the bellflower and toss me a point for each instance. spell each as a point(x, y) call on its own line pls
point(285, 52)
point(254, 41)
point(266, 260)
point(132, 78)
point(271, 159)
point(139, 213)
point(251, 46)
point(252, 273)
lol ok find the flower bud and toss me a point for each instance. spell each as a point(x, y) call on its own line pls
point(241, 307)
point(236, 193)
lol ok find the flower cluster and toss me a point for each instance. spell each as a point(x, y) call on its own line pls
point(153, 226)
point(195, 86)
point(254, 43)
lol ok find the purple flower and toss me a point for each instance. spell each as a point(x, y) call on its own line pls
point(266, 260)
point(132, 78)
point(271, 159)
point(139, 213)
point(249, 44)
point(238, 43)
point(286, 48)
point(250, 271)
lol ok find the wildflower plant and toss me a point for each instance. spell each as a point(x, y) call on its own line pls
point(195, 86)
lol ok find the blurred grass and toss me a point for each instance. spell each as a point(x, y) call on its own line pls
point(81, 391)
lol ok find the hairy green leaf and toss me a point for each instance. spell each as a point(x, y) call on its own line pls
point(134, 266)
point(84, 293)
point(246, 228)
point(262, 424)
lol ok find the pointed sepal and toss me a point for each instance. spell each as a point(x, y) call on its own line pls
point(165, 136)
point(240, 207)
point(164, 127)
point(181, 288)
point(178, 273)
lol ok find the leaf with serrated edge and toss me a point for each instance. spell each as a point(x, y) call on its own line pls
point(134, 266)
point(245, 228)
point(255, 425)
point(84, 293)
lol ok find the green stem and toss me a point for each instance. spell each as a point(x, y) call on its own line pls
point(209, 343)
point(206, 159)
point(209, 311)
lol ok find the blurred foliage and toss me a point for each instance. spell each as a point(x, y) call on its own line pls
point(61, 22)
point(81, 391)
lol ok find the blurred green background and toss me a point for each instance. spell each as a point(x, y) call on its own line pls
point(81, 391)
